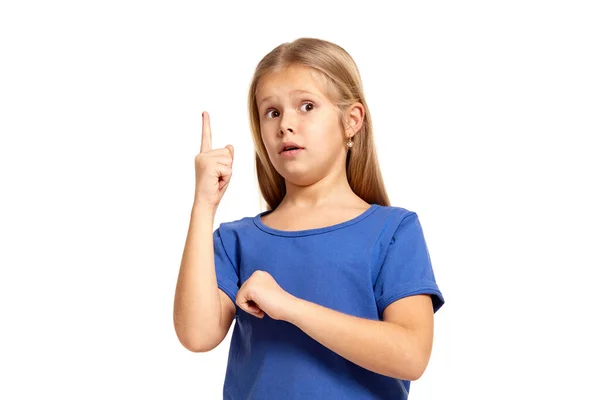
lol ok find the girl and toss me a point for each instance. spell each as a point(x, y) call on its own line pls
point(332, 288)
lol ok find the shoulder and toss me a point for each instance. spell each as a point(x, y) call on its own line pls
point(394, 216)
point(393, 221)
point(396, 213)
point(236, 228)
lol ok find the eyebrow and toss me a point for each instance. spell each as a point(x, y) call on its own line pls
point(293, 91)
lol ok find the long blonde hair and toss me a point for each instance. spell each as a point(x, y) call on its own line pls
point(340, 78)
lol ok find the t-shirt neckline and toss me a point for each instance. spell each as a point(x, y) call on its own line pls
point(314, 231)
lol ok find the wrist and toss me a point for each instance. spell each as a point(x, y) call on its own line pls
point(292, 310)
point(204, 209)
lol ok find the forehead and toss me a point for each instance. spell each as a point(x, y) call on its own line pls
point(288, 81)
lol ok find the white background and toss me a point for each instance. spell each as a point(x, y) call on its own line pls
point(486, 116)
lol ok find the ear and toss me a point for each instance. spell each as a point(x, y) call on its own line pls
point(354, 119)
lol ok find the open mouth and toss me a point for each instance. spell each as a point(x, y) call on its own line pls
point(291, 151)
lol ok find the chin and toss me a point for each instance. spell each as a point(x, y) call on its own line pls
point(297, 177)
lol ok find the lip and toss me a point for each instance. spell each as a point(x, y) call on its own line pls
point(291, 153)
point(286, 144)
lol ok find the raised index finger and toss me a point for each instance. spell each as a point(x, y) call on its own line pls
point(206, 141)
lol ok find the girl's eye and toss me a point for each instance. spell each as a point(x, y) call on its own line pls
point(268, 111)
point(307, 103)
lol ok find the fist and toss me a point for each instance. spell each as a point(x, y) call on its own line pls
point(261, 294)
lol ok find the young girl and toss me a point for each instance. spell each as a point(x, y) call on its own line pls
point(332, 288)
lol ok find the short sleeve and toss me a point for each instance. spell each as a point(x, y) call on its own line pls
point(406, 268)
point(227, 274)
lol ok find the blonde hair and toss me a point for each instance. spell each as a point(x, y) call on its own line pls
point(338, 74)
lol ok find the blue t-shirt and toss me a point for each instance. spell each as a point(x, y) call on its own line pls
point(357, 267)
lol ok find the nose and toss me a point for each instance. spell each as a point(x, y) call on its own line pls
point(286, 124)
point(282, 131)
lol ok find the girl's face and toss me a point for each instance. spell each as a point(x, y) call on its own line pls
point(292, 108)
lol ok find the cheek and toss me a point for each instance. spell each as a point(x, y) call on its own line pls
point(268, 133)
point(321, 133)
point(271, 146)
